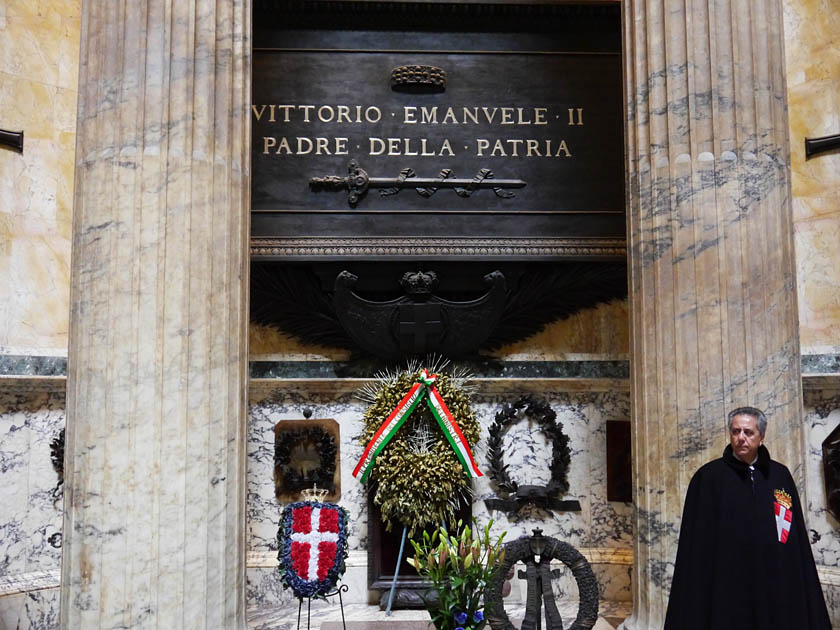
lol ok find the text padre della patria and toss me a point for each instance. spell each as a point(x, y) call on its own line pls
point(484, 120)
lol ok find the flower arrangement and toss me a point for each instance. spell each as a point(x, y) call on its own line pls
point(459, 565)
point(418, 479)
point(313, 546)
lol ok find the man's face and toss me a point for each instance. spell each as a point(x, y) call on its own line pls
point(745, 438)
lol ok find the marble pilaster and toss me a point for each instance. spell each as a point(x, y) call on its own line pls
point(156, 392)
point(712, 274)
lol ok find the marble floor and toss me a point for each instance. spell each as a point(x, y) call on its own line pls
point(285, 617)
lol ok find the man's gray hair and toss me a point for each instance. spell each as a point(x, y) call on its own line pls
point(758, 414)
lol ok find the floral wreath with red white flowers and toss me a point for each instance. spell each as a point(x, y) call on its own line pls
point(313, 547)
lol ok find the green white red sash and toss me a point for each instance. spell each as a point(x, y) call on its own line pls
point(424, 388)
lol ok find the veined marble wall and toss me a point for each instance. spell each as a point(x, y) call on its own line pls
point(29, 420)
point(822, 408)
point(813, 76)
point(600, 524)
point(39, 62)
point(29, 565)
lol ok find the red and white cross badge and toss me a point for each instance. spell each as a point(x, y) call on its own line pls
point(784, 516)
point(313, 545)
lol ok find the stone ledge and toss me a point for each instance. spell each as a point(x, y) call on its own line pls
point(28, 373)
point(27, 582)
point(829, 576)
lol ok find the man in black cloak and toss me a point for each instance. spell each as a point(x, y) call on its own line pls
point(744, 560)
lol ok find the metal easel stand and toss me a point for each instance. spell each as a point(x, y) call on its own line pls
point(338, 591)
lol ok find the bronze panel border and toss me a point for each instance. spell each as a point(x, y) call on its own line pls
point(318, 248)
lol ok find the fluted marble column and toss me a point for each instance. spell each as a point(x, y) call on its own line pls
point(712, 277)
point(155, 483)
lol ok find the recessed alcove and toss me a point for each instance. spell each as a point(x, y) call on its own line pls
point(306, 455)
point(347, 283)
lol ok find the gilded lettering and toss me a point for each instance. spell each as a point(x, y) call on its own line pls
point(563, 148)
point(343, 112)
point(306, 109)
point(473, 115)
point(285, 109)
point(329, 111)
point(497, 147)
point(259, 113)
point(300, 144)
point(377, 146)
point(519, 118)
point(429, 115)
point(450, 117)
point(423, 151)
point(268, 142)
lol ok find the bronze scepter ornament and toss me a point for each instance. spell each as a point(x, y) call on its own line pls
point(358, 182)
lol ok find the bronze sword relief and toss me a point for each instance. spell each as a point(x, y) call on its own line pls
point(358, 182)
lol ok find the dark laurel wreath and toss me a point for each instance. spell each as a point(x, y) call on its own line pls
point(57, 457)
point(293, 480)
point(290, 579)
point(541, 412)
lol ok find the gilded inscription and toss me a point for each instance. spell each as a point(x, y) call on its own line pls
point(415, 117)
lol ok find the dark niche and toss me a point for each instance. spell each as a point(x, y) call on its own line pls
point(831, 471)
point(619, 462)
point(306, 454)
point(382, 558)
point(393, 310)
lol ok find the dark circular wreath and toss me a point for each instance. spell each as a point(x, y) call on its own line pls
point(520, 550)
point(292, 479)
point(541, 412)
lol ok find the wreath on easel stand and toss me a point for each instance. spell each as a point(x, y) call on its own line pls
point(418, 434)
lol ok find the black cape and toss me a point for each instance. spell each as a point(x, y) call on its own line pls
point(731, 570)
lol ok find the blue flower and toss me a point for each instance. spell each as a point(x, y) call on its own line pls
point(459, 628)
point(460, 619)
point(478, 616)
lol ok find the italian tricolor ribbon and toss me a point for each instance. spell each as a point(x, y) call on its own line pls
point(424, 388)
